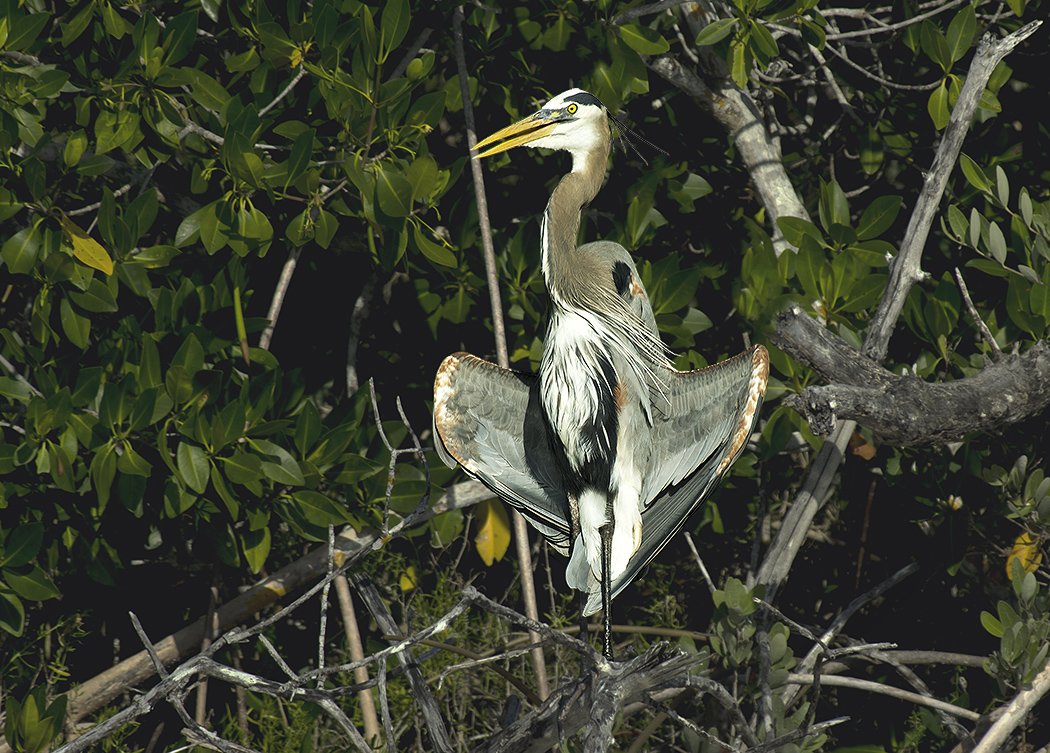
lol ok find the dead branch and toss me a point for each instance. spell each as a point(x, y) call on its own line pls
point(905, 410)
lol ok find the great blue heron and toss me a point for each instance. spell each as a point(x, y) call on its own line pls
point(608, 449)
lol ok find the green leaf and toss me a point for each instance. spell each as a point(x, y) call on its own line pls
point(193, 468)
point(12, 616)
point(833, 206)
point(32, 586)
point(991, 624)
point(256, 547)
point(1039, 300)
point(878, 217)
point(299, 157)
point(715, 32)
point(22, 545)
point(285, 470)
point(98, 298)
point(975, 176)
point(77, 328)
point(15, 389)
point(871, 151)
point(643, 40)
point(393, 25)
point(432, 251)
point(320, 510)
point(961, 32)
point(206, 91)
point(24, 29)
point(935, 45)
point(1002, 186)
point(446, 528)
point(20, 251)
point(243, 468)
point(738, 64)
point(394, 192)
point(937, 106)
point(808, 264)
point(996, 242)
point(113, 129)
point(796, 228)
point(102, 469)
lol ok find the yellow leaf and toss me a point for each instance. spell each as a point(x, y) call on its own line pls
point(85, 248)
point(408, 578)
point(493, 531)
point(1026, 551)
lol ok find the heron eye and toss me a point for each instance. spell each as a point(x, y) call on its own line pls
point(572, 108)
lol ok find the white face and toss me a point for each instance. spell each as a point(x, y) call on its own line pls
point(581, 122)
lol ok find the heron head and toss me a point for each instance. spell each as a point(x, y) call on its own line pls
point(574, 121)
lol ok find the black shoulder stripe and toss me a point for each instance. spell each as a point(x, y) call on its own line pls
point(585, 98)
point(621, 275)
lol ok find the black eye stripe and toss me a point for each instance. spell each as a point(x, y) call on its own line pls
point(585, 98)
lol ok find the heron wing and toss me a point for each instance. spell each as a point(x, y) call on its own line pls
point(489, 420)
point(712, 412)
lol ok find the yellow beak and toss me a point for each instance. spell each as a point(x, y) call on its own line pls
point(528, 129)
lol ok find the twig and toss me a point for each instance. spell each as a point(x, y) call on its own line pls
point(284, 92)
point(972, 310)
point(279, 293)
point(816, 653)
point(700, 563)
point(521, 531)
point(888, 690)
point(322, 628)
point(92, 207)
point(211, 621)
point(1014, 713)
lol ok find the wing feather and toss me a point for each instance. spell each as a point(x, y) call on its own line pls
point(712, 413)
point(489, 420)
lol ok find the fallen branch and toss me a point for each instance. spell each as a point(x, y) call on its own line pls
point(887, 690)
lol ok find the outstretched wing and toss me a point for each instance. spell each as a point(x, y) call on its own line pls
point(712, 412)
point(489, 420)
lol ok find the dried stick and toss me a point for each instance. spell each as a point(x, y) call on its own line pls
point(521, 531)
point(357, 653)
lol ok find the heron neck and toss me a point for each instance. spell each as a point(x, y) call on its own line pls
point(573, 192)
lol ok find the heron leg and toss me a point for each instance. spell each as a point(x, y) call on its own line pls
point(606, 537)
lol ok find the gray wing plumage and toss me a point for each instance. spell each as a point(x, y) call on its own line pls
point(712, 412)
point(489, 420)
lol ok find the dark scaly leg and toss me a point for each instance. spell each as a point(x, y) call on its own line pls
point(606, 535)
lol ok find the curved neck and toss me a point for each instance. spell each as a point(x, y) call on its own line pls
point(561, 220)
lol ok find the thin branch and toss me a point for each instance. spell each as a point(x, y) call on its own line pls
point(887, 690)
point(279, 292)
point(521, 531)
point(646, 10)
point(972, 310)
point(284, 92)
